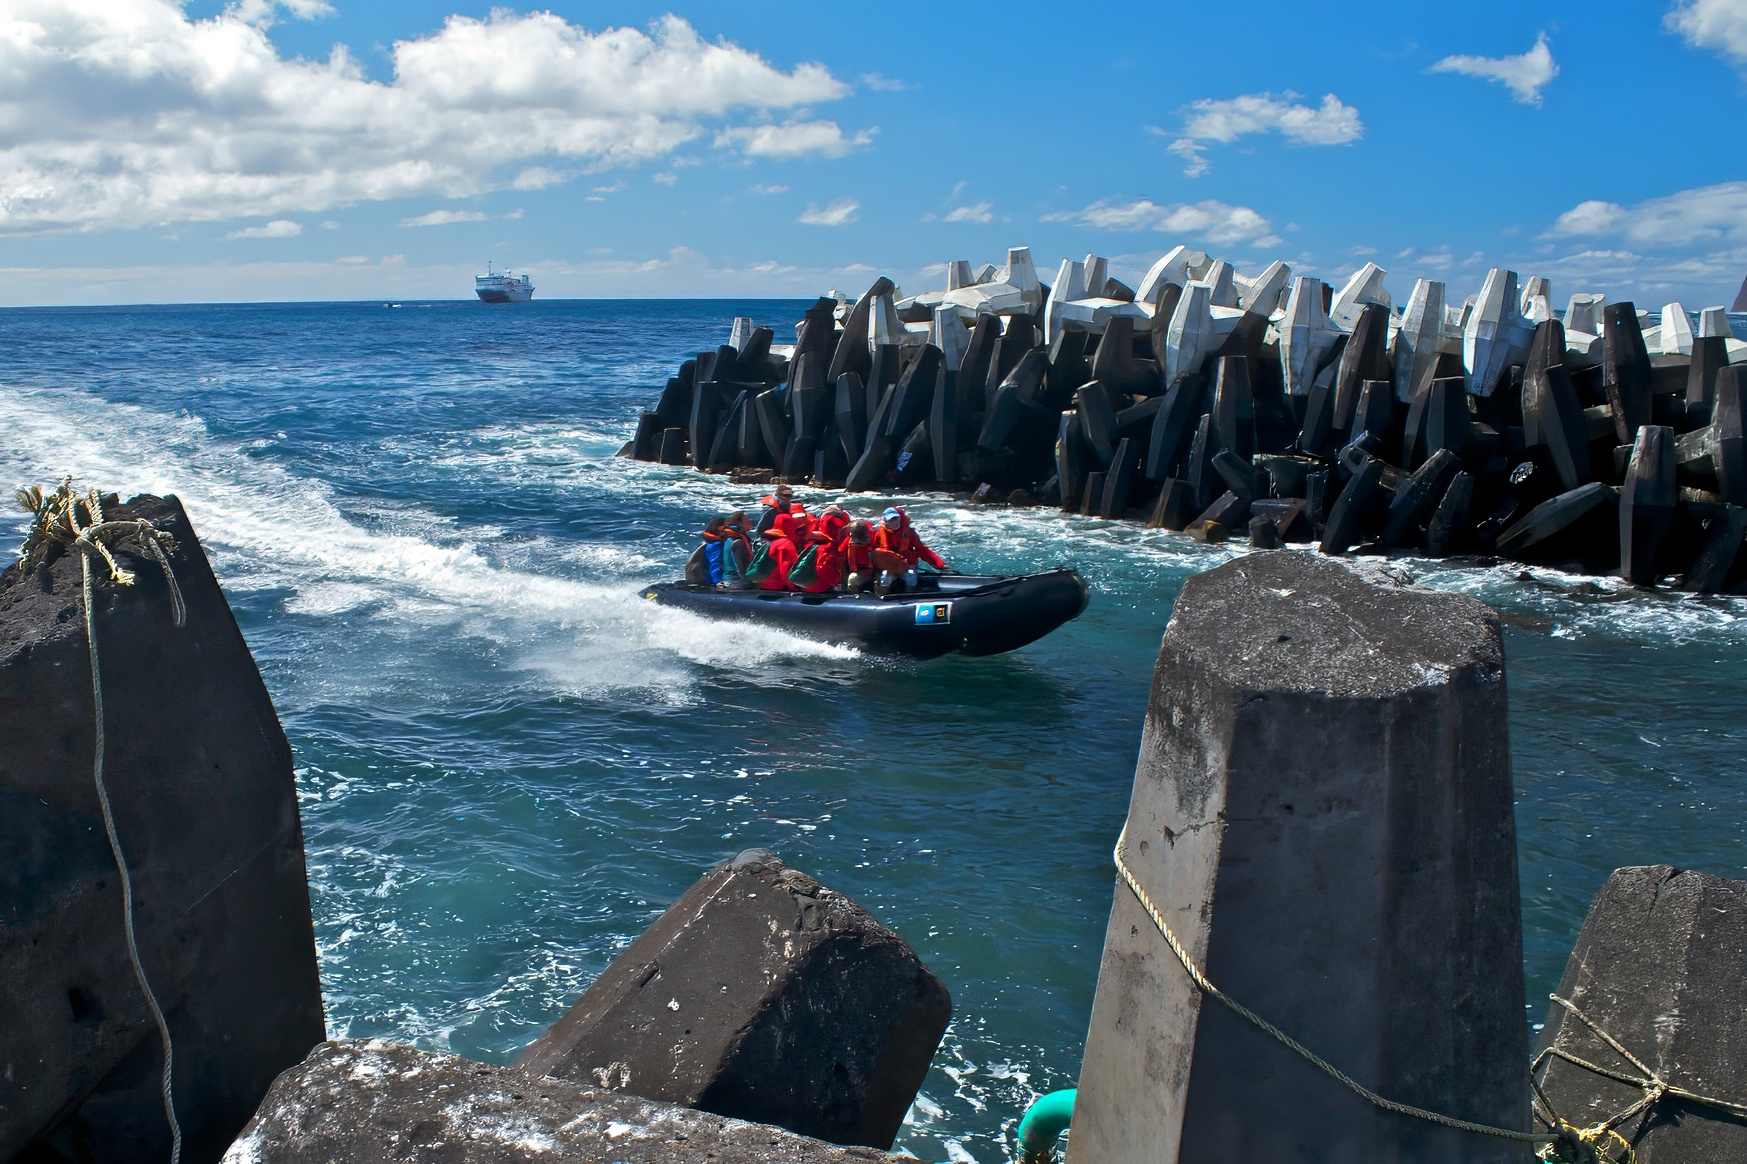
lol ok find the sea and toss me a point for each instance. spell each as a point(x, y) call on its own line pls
point(508, 764)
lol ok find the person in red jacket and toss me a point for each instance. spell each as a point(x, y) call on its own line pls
point(897, 550)
point(856, 549)
point(827, 564)
point(783, 551)
point(832, 522)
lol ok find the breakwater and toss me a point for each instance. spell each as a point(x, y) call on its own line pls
point(1270, 406)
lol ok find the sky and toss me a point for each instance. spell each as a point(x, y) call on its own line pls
point(267, 150)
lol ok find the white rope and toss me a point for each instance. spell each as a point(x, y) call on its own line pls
point(133, 949)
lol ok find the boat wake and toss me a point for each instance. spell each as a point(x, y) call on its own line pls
point(285, 542)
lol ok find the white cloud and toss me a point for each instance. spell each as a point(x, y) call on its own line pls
point(1225, 120)
point(665, 179)
point(262, 13)
point(278, 228)
point(1524, 75)
point(330, 224)
point(1216, 221)
point(538, 178)
point(1720, 25)
point(840, 213)
point(885, 84)
point(1331, 123)
point(978, 212)
point(793, 139)
point(1195, 161)
point(1691, 244)
point(761, 188)
point(1707, 215)
point(444, 217)
point(127, 113)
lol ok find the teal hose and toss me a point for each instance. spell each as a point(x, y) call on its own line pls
point(1045, 1120)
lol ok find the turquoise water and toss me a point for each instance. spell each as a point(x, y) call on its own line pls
point(509, 765)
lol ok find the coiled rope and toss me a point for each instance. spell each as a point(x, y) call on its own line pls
point(1563, 1142)
point(58, 520)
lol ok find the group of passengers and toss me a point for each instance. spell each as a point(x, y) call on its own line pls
point(791, 549)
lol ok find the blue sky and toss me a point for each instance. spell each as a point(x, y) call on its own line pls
point(207, 151)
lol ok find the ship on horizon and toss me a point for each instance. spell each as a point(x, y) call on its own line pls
point(503, 287)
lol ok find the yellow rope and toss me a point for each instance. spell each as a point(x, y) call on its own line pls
point(1653, 1087)
point(1206, 987)
point(1586, 1145)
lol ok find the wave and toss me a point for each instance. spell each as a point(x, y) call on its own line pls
point(269, 530)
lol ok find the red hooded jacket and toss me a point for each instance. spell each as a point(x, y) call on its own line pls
point(779, 538)
point(827, 565)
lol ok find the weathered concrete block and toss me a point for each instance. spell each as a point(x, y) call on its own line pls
point(1647, 502)
point(1730, 434)
point(1234, 407)
point(367, 1099)
point(1173, 428)
point(1413, 503)
point(646, 445)
point(1322, 812)
point(1625, 370)
point(1710, 570)
point(1366, 357)
point(1094, 494)
point(1448, 528)
point(1553, 516)
point(1659, 965)
point(1355, 509)
point(1115, 364)
point(765, 996)
point(1119, 478)
point(1098, 424)
point(199, 774)
point(1175, 507)
point(1072, 458)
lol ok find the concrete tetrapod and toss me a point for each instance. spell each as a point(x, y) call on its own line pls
point(1647, 502)
point(198, 774)
point(1658, 966)
point(1322, 814)
point(1730, 434)
point(765, 996)
point(372, 1100)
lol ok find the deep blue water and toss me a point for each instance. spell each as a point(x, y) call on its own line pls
point(509, 765)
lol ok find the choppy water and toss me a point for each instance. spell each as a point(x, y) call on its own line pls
point(508, 764)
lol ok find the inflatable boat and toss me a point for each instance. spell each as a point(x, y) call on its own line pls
point(974, 614)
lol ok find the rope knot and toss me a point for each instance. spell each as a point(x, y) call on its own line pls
point(58, 523)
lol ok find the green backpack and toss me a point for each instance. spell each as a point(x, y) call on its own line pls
point(805, 571)
point(762, 565)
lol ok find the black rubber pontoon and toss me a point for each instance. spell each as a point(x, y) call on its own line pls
point(976, 614)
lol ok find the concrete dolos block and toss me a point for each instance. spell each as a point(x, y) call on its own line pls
point(370, 1100)
point(1322, 812)
point(765, 996)
point(1660, 966)
point(199, 774)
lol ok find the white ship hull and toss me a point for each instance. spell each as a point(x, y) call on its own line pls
point(503, 288)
